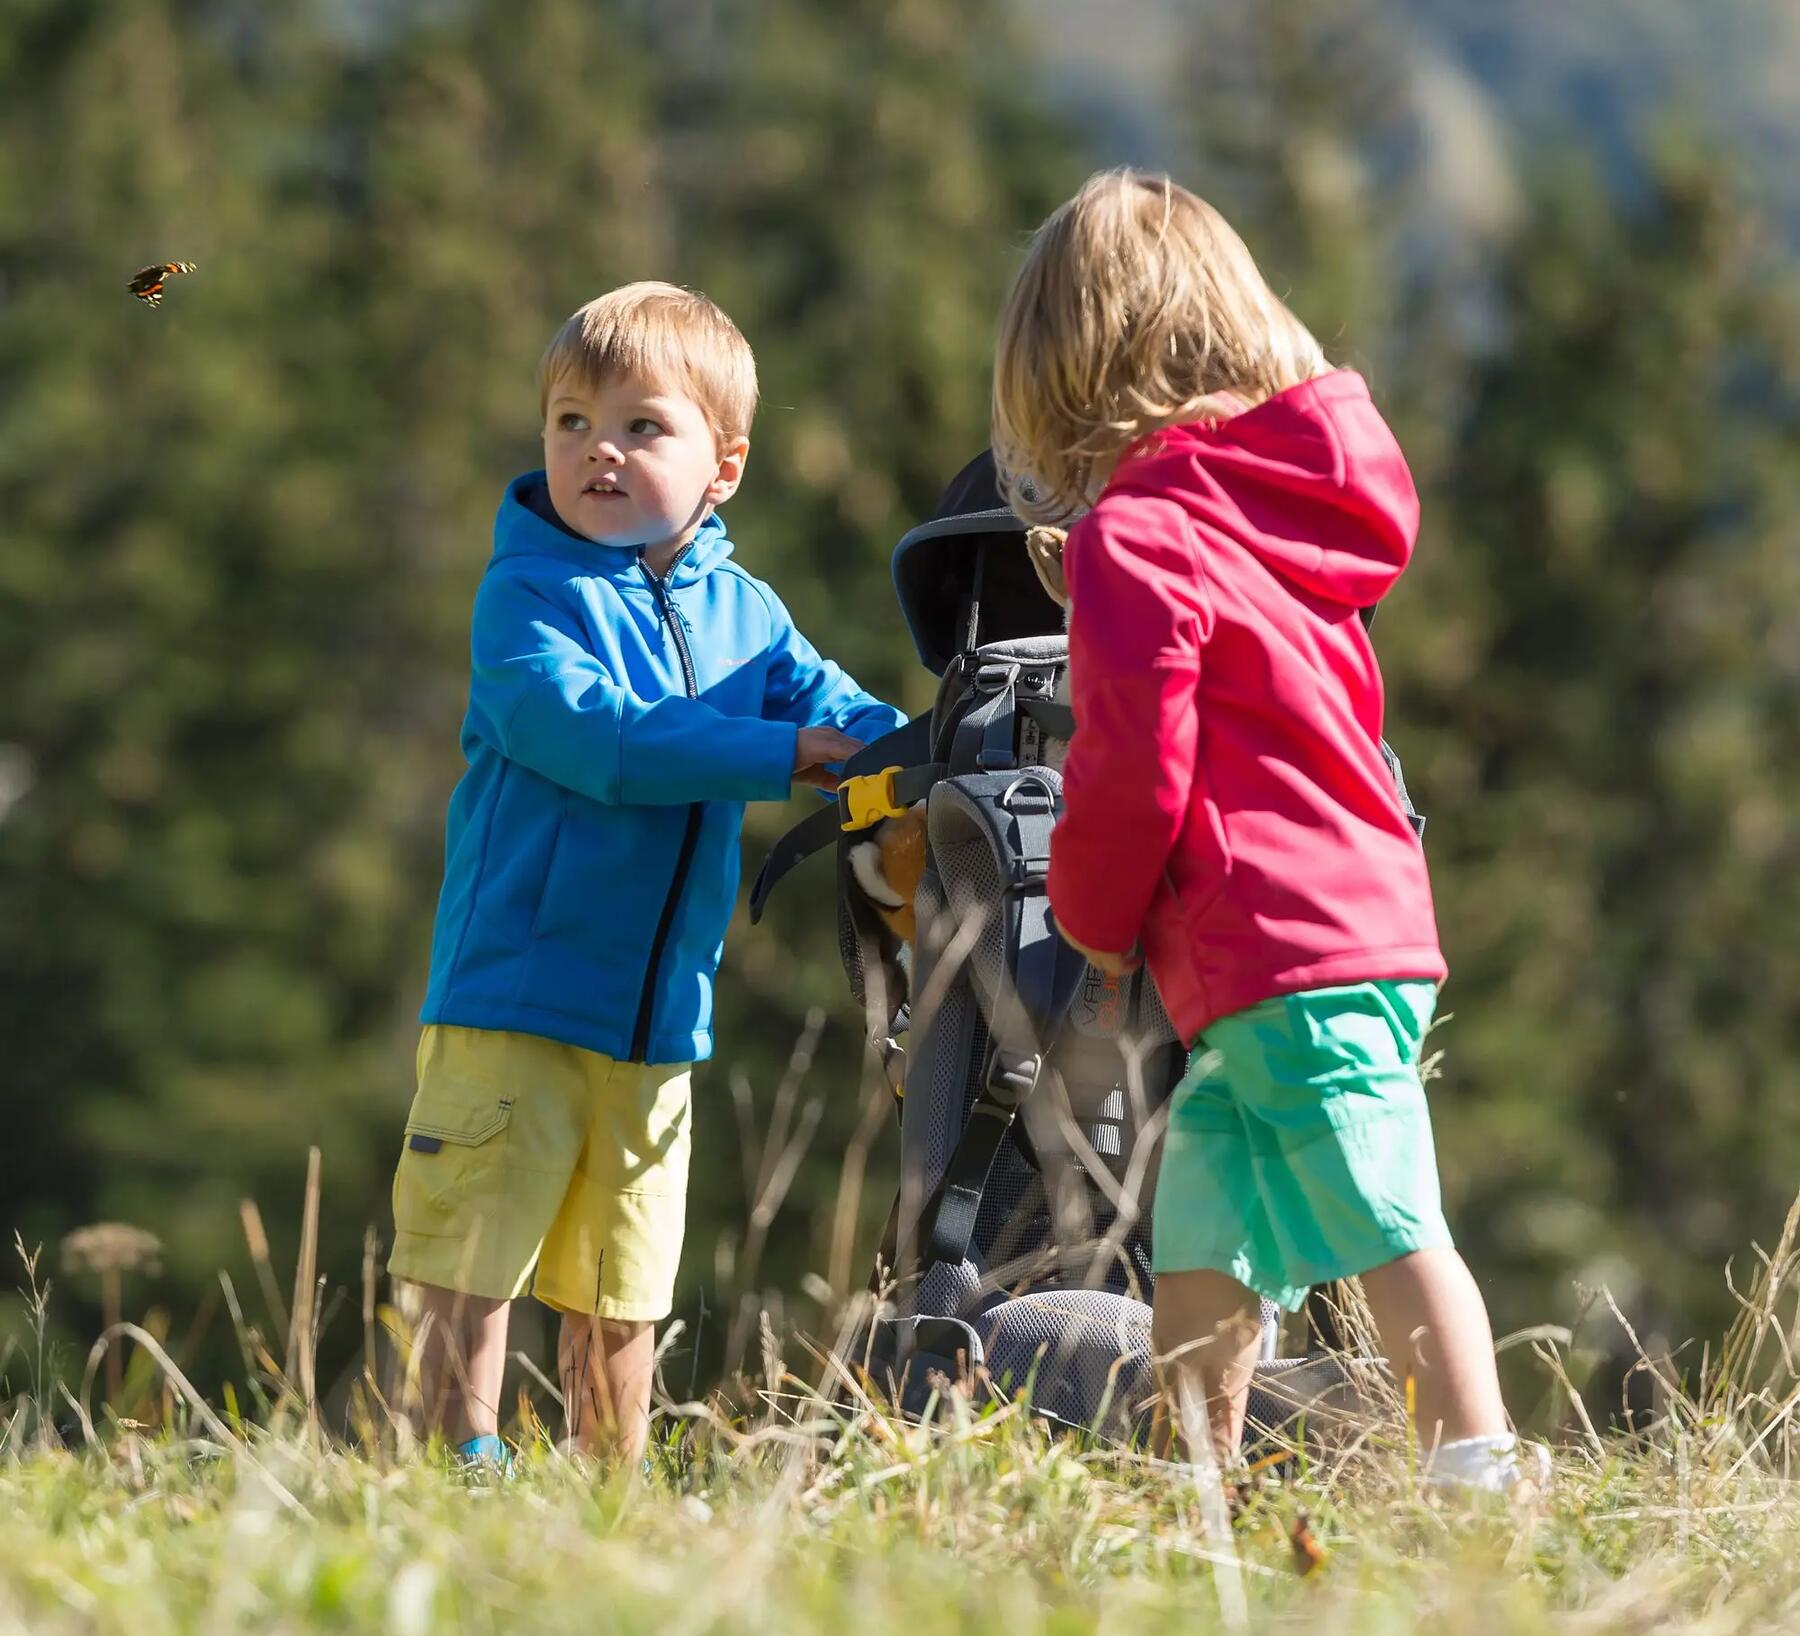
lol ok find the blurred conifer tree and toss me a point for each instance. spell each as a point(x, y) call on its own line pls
point(239, 536)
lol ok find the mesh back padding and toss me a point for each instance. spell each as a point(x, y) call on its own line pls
point(850, 947)
point(1084, 1353)
point(948, 1290)
point(1086, 1357)
point(1154, 1023)
point(972, 891)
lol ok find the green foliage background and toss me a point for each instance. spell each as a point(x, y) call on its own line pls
point(239, 536)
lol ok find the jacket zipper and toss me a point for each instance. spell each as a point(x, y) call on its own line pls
point(690, 840)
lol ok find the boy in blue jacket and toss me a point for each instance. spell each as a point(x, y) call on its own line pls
point(633, 687)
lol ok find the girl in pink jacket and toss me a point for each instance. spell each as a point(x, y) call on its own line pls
point(1228, 809)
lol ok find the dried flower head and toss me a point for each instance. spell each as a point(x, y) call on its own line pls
point(112, 1246)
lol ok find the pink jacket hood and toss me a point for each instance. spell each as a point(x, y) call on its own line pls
point(1311, 481)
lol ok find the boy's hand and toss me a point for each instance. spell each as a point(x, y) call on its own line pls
point(816, 746)
point(1114, 965)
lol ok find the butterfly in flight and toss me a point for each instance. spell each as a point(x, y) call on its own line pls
point(147, 284)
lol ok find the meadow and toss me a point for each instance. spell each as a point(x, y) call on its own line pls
point(776, 1505)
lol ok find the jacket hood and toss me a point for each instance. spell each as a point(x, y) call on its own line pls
point(522, 528)
point(1310, 481)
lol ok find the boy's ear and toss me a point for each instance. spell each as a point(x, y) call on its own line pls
point(732, 456)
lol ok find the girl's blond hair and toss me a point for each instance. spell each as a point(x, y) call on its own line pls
point(1137, 308)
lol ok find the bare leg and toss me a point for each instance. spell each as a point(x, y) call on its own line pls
point(462, 1341)
point(1434, 1326)
point(606, 1369)
point(1206, 1337)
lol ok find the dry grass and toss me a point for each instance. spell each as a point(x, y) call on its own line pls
point(791, 1512)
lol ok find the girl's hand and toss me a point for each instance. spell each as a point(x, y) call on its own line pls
point(1045, 548)
point(1114, 965)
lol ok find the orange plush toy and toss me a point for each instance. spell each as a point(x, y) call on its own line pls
point(888, 867)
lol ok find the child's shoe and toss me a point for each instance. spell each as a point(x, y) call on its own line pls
point(1490, 1465)
point(485, 1455)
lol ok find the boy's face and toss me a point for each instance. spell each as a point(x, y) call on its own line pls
point(631, 463)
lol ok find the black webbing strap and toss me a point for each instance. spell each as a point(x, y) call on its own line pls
point(953, 1209)
point(808, 836)
point(826, 826)
point(984, 737)
point(972, 621)
point(908, 746)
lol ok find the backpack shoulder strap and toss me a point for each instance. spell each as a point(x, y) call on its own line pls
point(1413, 815)
point(1025, 1007)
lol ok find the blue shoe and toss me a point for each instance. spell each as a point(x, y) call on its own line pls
point(485, 1454)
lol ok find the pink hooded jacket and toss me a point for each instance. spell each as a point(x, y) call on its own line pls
point(1227, 801)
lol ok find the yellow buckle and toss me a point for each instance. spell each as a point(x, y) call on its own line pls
point(869, 798)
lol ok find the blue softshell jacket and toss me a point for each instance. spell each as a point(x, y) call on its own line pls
point(617, 725)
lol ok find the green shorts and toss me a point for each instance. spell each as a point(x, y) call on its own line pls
point(1299, 1146)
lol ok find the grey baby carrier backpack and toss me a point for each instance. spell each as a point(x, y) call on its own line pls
point(1033, 1088)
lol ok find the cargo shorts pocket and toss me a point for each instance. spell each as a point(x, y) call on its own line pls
point(450, 1162)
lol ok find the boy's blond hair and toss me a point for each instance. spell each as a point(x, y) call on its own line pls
point(663, 334)
point(1137, 308)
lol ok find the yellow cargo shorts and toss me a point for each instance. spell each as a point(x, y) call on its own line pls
point(534, 1166)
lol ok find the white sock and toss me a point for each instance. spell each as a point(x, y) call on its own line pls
point(1487, 1464)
